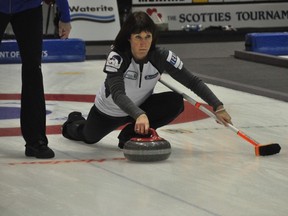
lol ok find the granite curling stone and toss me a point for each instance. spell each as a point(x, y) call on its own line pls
point(147, 149)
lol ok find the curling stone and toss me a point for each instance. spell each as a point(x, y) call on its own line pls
point(147, 149)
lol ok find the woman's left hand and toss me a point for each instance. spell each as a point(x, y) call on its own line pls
point(222, 116)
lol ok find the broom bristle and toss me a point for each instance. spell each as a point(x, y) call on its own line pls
point(265, 150)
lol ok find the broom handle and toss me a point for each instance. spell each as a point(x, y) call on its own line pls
point(209, 113)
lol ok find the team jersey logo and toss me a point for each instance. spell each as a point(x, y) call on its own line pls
point(174, 60)
point(113, 62)
point(152, 76)
point(132, 75)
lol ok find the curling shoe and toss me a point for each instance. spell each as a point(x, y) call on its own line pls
point(121, 144)
point(73, 116)
point(41, 151)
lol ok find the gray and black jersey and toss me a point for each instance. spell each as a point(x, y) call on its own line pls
point(129, 83)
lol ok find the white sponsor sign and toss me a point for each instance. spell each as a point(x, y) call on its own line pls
point(237, 15)
point(151, 2)
point(94, 20)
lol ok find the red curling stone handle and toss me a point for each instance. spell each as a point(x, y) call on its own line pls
point(153, 137)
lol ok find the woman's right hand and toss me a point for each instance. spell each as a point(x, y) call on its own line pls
point(142, 124)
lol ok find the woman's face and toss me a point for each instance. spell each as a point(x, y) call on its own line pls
point(140, 44)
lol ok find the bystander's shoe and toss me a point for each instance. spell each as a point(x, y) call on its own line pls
point(41, 151)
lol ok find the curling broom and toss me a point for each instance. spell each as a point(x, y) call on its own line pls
point(260, 150)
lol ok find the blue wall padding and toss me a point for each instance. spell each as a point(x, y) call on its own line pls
point(54, 50)
point(267, 43)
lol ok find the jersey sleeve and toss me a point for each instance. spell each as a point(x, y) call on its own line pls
point(174, 66)
point(64, 11)
point(113, 63)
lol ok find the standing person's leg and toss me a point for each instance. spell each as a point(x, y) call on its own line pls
point(161, 109)
point(4, 20)
point(28, 29)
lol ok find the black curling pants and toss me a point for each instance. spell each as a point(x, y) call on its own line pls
point(28, 30)
point(160, 108)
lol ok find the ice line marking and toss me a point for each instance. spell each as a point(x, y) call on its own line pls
point(53, 162)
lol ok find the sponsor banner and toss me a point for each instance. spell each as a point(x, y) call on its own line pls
point(151, 2)
point(54, 50)
point(237, 15)
point(93, 20)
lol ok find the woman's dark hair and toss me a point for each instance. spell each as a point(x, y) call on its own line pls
point(136, 22)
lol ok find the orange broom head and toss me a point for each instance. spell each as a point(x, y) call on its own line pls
point(269, 149)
